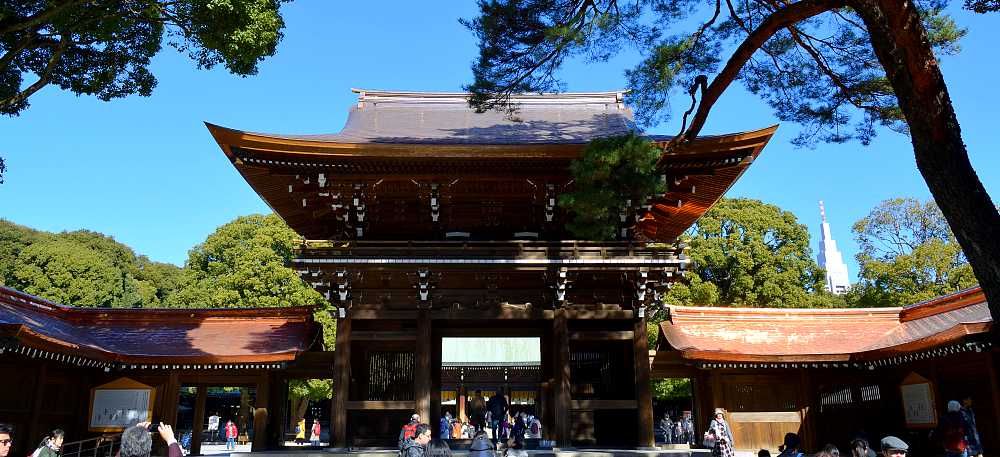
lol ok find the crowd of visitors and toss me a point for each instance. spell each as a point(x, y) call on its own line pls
point(956, 436)
point(677, 429)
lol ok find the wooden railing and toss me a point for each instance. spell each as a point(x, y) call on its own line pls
point(102, 446)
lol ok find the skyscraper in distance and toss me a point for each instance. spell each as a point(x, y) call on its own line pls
point(830, 258)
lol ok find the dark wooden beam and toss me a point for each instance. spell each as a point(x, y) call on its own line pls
point(379, 335)
point(199, 419)
point(602, 404)
point(341, 383)
point(601, 336)
point(561, 385)
point(260, 413)
point(38, 394)
point(643, 394)
point(379, 405)
point(171, 398)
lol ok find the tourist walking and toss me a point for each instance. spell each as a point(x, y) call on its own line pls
point(417, 445)
point(952, 431)
point(861, 448)
point(972, 432)
point(894, 447)
point(136, 441)
point(790, 446)
point(478, 408)
point(498, 414)
point(667, 428)
point(686, 429)
point(444, 428)
point(315, 432)
point(50, 445)
point(438, 448)
point(534, 428)
point(6, 439)
point(409, 430)
point(481, 446)
point(300, 431)
point(719, 437)
point(231, 434)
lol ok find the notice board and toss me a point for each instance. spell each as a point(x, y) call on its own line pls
point(919, 409)
point(119, 404)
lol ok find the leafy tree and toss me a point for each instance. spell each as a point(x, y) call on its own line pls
point(841, 68)
point(157, 281)
point(908, 255)
point(103, 48)
point(302, 391)
point(610, 173)
point(13, 239)
point(748, 253)
point(242, 265)
point(671, 389)
point(68, 272)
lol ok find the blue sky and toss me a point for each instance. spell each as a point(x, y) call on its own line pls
point(146, 171)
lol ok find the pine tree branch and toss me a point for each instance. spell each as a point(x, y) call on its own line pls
point(776, 21)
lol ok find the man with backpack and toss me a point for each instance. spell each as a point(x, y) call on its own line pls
point(416, 446)
point(409, 431)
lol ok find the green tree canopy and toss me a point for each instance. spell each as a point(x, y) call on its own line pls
point(70, 273)
point(104, 48)
point(748, 253)
point(908, 254)
point(243, 264)
point(13, 239)
point(81, 268)
point(610, 173)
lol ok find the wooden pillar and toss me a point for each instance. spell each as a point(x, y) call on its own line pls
point(544, 406)
point(807, 411)
point(171, 398)
point(643, 395)
point(199, 419)
point(341, 383)
point(991, 362)
point(422, 368)
point(34, 428)
point(260, 422)
point(561, 379)
point(462, 416)
point(435, 406)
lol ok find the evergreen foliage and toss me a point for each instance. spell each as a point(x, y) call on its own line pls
point(908, 254)
point(242, 265)
point(610, 173)
point(748, 253)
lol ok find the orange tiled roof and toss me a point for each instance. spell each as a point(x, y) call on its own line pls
point(156, 336)
point(822, 335)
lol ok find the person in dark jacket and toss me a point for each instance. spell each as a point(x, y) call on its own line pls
point(481, 446)
point(498, 414)
point(417, 446)
point(6, 439)
point(50, 445)
point(438, 448)
point(137, 442)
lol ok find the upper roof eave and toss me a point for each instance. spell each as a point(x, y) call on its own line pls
point(304, 146)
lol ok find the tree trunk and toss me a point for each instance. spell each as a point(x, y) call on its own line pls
point(900, 42)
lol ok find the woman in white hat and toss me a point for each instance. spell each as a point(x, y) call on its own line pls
point(719, 437)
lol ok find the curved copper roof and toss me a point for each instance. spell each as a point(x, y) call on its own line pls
point(728, 334)
point(436, 138)
point(157, 336)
